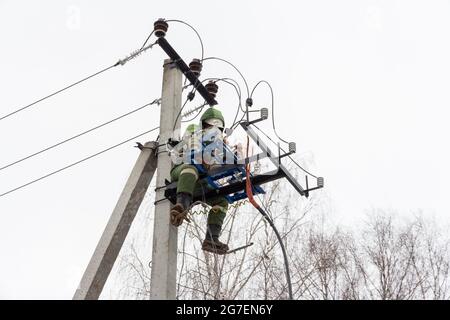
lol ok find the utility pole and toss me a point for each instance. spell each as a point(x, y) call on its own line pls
point(165, 235)
point(113, 237)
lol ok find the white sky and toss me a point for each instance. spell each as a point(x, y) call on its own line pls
point(360, 85)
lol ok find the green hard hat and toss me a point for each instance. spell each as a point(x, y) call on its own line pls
point(212, 113)
point(191, 129)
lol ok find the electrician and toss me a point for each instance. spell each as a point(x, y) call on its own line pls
point(187, 177)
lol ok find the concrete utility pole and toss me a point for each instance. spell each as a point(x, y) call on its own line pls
point(119, 224)
point(165, 235)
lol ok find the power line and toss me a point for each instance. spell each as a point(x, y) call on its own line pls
point(156, 101)
point(200, 108)
point(238, 122)
point(236, 87)
point(59, 91)
point(75, 163)
point(273, 109)
point(198, 35)
point(235, 68)
point(233, 83)
point(265, 214)
point(262, 203)
point(266, 135)
point(239, 93)
point(189, 97)
point(120, 62)
point(148, 38)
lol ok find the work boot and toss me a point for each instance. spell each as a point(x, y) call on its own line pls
point(180, 210)
point(211, 242)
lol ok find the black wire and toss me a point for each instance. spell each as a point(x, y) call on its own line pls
point(146, 40)
point(239, 108)
point(198, 35)
point(235, 68)
point(237, 88)
point(75, 163)
point(267, 210)
point(234, 83)
point(245, 82)
point(77, 135)
point(181, 109)
point(266, 216)
point(194, 89)
point(283, 249)
point(237, 123)
point(304, 170)
point(273, 109)
point(59, 91)
point(235, 119)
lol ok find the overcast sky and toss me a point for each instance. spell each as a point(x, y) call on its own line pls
point(361, 86)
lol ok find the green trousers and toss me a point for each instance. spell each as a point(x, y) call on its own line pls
point(188, 182)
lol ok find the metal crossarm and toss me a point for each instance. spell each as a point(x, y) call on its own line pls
point(186, 71)
point(275, 160)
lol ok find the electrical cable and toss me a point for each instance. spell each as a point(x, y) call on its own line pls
point(239, 108)
point(237, 123)
point(265, 207)
point(229, 81)
point(198, 35)
point(182, 107)
point(59, 91)
point(201, 107)
point(233, 83)
point(120, 62)
point(235, 68)
point(156, 101)
point(75, 163)
point(148, 38)
point(273, 109)
point(249, 192)
point(264, 212)
point(237, 88)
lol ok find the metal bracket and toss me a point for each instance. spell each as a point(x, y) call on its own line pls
point(141, 147)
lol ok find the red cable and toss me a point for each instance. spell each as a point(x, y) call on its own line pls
point(248, 184)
